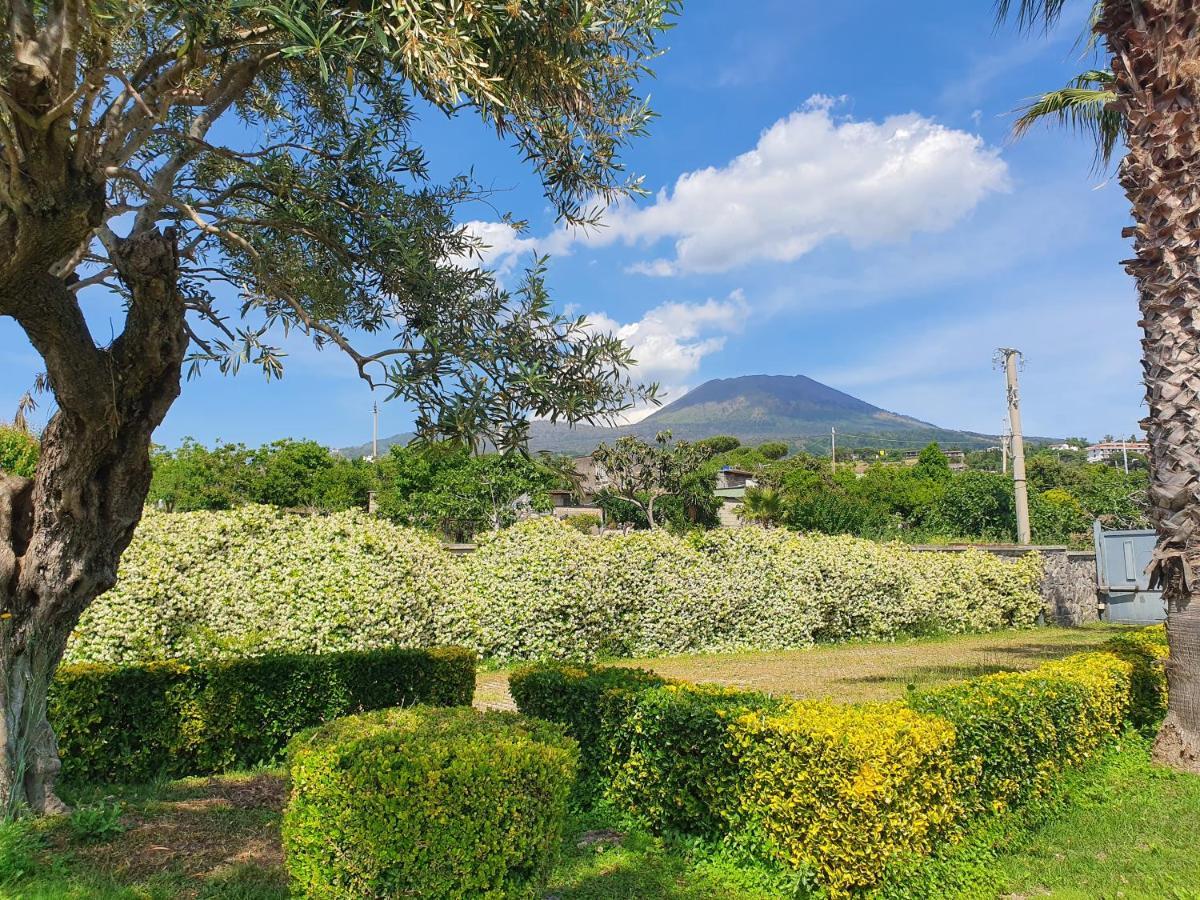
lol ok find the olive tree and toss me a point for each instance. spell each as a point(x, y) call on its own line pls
point(221, 172)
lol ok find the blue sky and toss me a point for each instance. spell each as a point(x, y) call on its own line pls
point(833, 193)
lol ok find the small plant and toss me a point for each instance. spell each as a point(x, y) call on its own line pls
point(96, 822)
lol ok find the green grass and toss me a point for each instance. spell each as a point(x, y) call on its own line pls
point(1128, 830)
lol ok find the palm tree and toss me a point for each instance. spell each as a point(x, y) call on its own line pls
point(762, 505)
point(1085, 104)
point(1154, 82)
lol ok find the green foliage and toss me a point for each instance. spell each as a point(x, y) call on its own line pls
point(19, 451)
point(932, 464)
point(718, 443)
point(642, 473)
point(446, 488)
point(96, 822)
point(427, 803)
point(592, 704)
point(584, 523)
point(774, 449)
point(19, 842)
point(762, 505)
point(136, 723)
point(978, 504)
point(258, 580)
point(682, 771)
point(289, 474)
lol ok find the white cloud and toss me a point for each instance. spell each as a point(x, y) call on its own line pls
point(500, 246)
point(812, 178)
point(671, 340)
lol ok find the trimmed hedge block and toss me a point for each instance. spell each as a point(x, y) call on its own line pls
point(682, 770)
point(431, 803)
point(841, 791)
point(136, 723)
point(593, 705)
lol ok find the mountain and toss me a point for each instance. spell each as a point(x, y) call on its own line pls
point(753, 408)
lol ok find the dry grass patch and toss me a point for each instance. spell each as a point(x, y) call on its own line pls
point(852, 673)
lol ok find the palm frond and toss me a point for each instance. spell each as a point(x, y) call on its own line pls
point(1030, 14)
point(1084, 105)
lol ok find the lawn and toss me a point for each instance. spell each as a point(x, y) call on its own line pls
point(1126, 832)
point(856, 672)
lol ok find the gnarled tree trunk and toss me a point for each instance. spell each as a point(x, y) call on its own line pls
point(62, 532)
point(1156, 61)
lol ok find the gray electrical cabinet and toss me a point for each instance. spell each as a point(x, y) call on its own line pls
point(1121, 579)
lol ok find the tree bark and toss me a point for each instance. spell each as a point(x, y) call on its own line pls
point(62, 533)
point(1156, 61)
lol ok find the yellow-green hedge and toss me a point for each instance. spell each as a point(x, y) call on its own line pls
point(843, 792)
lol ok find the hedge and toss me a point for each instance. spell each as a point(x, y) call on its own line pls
point(540, 589)
point(592, 704)
point(427, 803)
point(258, 580)
point(843, 793)
point(136, 723)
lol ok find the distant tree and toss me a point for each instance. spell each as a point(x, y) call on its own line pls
point(289, 473)
point(449, 490)
point(932, 463)
point(642, 473)
point(18, 451)
point(978, 504)
point(774, 449)
point(719, 443)
point(194, 477)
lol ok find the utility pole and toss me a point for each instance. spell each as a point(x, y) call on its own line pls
point(1004, 449)
point(1125, 457)
point(375, 432)
point(833, 450)
point(1011, 358)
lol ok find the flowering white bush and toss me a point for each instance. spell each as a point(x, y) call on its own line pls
point(256, 579)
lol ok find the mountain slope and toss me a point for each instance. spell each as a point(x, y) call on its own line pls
point(755, 408)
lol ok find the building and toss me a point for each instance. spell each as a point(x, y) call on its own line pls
point(1106, 450)
point(731, 490)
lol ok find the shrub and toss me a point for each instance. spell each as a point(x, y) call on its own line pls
point(681, 769)
point(1016, 731)
point(19, 451)
point(592, 704)
point(584, 523)
point(136, 723)
point(427, 803)
point(543, 591)
point(843, 790)
point(256, 580)
point(1145, 650)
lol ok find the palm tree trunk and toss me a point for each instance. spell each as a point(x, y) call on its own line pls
point(1156, 61)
